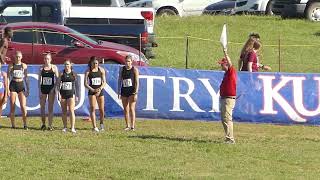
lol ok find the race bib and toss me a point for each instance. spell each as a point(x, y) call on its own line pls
point(46, 81)
point(18, 74)
point(67, 86)
point(1, 85)
point(96, 81)
point(127, 83)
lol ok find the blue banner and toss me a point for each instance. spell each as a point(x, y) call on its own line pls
point(194, 95)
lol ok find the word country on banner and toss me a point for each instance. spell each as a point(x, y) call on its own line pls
point(167, 93)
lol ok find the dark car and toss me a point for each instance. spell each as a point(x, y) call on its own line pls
point(34, 39)
point(222, 7)
point(140, 3)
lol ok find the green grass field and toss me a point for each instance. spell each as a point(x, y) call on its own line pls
point(299, 41)
point(164, 149)
point(160, 149)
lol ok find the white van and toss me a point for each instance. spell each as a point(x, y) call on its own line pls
point(181, 7)
point(254, 6)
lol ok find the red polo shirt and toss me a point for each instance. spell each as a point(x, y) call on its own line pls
point(228, 86)
point(250, 57)
point(253, 57)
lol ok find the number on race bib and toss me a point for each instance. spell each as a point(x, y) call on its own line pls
point(127, 83)
point(17, 73)
point(96, 81)
point(67, 86)
point(46, 81)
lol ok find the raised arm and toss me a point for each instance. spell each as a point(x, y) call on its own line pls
point(227, 57)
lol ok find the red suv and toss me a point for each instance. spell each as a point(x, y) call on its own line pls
point(34, 39)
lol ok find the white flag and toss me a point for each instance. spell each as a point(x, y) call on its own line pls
point(223, 38)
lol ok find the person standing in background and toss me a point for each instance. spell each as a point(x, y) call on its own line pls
point(4, 43)
point(244, 52)
point(48, 75)
point(4, 88)
point(128, 87)
point(18, 76)
point(68, 95)
point(228, 91)
point(94, 81)
point(247, 54)
point(251, 62)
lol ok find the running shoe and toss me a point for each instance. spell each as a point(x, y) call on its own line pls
point(95, 130)
point(64, 130)
point(101, 127)
point(229, 141)
point(127, 128)
point(73, 130)
point(43, 127)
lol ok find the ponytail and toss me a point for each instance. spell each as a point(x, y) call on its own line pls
point(92, 58)
point(73, 74)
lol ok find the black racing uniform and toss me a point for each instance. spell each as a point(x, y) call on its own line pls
point(128, 82)
point(17, 73)
point(68, 87)
point(95, 81)
point(47, 80)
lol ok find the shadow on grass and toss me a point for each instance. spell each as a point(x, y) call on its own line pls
point(39, 129)
point(179, 139)
point(317, 34)
point(20, 128)
point(9, 127)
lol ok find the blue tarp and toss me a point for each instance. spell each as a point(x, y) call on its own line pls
point(167, 93)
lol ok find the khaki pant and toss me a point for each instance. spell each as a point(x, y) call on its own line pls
point(226, 109)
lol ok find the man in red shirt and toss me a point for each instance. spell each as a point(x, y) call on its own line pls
point(228, 90)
